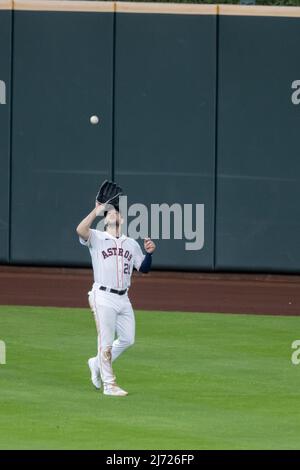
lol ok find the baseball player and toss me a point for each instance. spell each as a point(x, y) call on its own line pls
point(114, 256)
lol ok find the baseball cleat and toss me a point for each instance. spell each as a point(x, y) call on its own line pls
point(114, 390)
point(95, 372)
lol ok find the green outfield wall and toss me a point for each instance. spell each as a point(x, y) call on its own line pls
point(5, 126)
point(197, 104)
point(258, 164)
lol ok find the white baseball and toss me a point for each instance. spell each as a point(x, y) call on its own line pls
point(94, 119)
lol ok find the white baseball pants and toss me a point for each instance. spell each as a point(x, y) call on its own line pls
point(115, 325)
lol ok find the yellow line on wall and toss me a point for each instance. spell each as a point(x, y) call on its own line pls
point(260, 10)
point(5, 4)
point(57, 5)
point(155, 8)
point(166, 8)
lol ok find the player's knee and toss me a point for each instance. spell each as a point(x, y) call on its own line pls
point(124, 342)
point(130, 342)
point(127, 342)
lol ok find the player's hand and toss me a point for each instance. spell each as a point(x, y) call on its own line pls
point(149, 245)
point(99, 208)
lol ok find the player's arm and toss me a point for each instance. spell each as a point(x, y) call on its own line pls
point(83, 228)
point(149, 247)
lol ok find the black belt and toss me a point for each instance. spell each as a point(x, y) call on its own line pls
point(113, 291)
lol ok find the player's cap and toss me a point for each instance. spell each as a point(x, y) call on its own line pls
point(112, 206)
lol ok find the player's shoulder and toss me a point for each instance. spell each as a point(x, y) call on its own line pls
point(131, 242)
point(98, 234)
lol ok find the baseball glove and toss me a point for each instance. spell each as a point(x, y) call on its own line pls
point(109, 193)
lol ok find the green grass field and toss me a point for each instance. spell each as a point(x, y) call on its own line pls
point(196, 381)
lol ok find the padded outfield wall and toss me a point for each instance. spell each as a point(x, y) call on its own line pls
point(197, 104)
point(258, 164)
point(5, 125)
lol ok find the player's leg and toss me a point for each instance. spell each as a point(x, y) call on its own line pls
point(125, 329)
point(93, 361)
point(106, 315)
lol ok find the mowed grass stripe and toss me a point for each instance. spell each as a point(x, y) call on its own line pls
point(195, 381)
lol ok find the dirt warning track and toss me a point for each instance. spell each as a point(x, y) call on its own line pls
point(191, 292)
